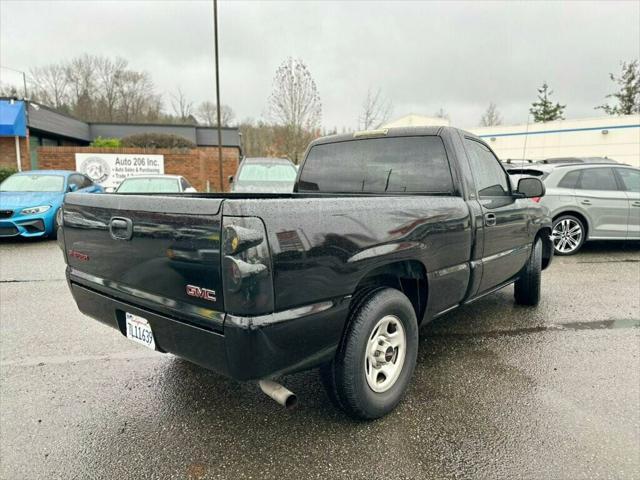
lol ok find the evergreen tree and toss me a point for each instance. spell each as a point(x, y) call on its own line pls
point(544, 110)
point(628, 95)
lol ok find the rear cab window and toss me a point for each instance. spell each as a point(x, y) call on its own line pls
point(378, 165)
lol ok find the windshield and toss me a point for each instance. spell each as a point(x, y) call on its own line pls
point(264, 172)
point(149, 185)
point(33, 183)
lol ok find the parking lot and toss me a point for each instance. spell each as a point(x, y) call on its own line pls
point(499, 391)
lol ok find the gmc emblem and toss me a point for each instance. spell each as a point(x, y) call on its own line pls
point(199, 292)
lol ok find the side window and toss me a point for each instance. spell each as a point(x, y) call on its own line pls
point(630, 179)
point(491, 179)
point(570, 180)
point(184, 183)
point(76, 180)
point(86, 182)
point(598, 179)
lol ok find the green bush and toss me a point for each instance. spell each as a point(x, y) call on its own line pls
point(106, 142)
point(156, 140)
point(6, 172)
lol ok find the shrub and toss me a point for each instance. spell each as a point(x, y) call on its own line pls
point(156, 140)
point(6, 172)
point(106, 142)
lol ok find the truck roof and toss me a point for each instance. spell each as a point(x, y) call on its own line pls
point(387, 132)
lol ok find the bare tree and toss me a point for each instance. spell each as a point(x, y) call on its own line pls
point(375, 110)
point(50, 85)
point(491, 116)
point(8, 90)
point(182, 108)
point(207, 114)
point(82, 78)
point(138, 99)
point(110, 75)
point(295, 105)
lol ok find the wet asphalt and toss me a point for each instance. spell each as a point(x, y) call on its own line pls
point(499, 391)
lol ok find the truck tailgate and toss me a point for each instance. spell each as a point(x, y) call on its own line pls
point(164, 250)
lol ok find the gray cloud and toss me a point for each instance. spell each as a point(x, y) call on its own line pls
point(459, 56)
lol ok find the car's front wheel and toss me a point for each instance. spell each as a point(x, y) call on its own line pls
point(375, 362)
point(568, 235)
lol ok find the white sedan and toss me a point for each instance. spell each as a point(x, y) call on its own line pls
point(155, 184)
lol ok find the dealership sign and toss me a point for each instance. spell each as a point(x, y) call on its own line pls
point(109, 169)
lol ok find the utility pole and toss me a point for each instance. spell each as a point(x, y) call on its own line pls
point(215, 35)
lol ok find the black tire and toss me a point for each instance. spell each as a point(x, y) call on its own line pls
point(556, 242)
point(345, 377)
point(527, 287)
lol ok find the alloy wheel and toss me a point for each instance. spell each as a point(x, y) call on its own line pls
point(567, 235)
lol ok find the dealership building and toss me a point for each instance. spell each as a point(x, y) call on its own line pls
point(615, 137)
point(41, 137)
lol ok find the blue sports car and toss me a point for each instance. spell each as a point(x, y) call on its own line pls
point(30, 201)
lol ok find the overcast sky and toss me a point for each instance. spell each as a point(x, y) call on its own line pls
point(422, 55)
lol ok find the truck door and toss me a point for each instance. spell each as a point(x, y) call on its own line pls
point(506, 245)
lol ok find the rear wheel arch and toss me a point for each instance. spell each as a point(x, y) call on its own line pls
point(407, 276)
point(544, 234)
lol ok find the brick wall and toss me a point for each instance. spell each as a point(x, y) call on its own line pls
point(197, 164)
point(8, 153)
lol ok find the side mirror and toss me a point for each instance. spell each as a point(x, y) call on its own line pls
point(230, 178)
point(73, 187)
point(530, 188)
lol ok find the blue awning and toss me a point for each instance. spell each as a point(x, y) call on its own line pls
point(13, 121)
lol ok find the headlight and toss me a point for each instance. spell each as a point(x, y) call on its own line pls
point(35, 210)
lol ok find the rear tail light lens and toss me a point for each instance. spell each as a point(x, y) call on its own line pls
point(536, 199)
point(246, 267)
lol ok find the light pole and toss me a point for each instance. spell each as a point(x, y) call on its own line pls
point(215, 35)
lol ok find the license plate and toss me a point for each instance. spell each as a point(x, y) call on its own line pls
point(139, 330)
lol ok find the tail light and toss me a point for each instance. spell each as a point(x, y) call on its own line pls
point(536, 199)
point(246, 266)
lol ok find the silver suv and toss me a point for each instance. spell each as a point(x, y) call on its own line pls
point(592, 202)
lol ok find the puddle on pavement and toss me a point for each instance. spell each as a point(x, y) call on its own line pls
point(595, 325)
point(602, 324)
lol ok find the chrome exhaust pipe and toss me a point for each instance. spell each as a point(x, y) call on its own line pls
point(279, 393)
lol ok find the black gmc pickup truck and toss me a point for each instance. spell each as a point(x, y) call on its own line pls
point(385, 231)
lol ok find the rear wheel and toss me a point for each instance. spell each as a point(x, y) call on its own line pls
point(375, 362)
point(568, 235)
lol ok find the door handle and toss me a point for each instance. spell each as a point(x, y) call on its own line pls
point(586, 202)
point(489, 219)
point(121, 228)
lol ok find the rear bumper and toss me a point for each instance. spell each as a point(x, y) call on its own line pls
point(248, 348)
